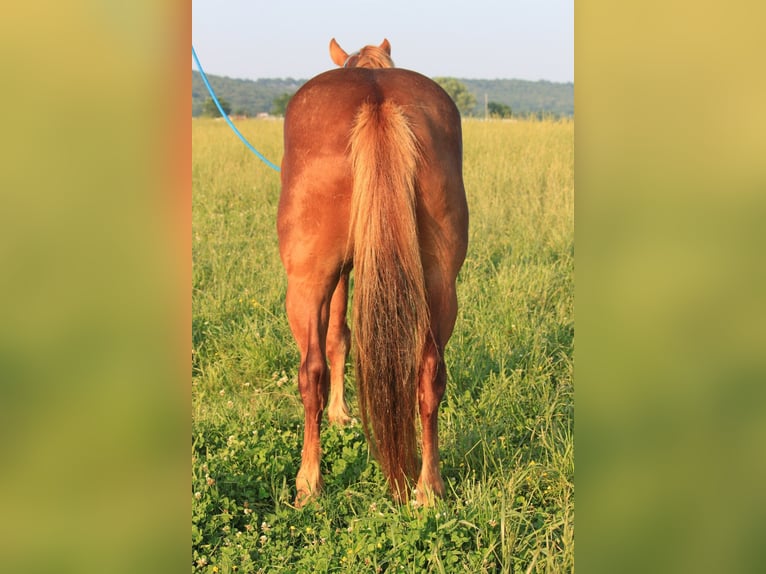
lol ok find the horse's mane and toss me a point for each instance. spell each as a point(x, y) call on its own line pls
point(370, 57)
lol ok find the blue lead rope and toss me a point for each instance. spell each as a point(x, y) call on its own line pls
point(226, 117)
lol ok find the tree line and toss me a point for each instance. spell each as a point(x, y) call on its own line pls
point(496, 98)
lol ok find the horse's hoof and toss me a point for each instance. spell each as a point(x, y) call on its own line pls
point(341, 419)
point(303, 498)
point(306, 492)
point(427, 495)
point(339, 415)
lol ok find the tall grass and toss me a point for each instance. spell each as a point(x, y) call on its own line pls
point(506, 422)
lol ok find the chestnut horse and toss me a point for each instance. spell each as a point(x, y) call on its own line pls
point(372, 180)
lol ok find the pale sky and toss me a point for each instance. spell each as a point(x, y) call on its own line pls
point(473, 39)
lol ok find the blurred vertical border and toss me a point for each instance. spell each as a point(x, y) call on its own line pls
point(95, 223)
point(670, 175)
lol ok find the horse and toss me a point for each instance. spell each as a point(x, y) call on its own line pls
point(371, 180)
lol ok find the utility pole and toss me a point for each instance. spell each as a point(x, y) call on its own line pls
point(486, 107)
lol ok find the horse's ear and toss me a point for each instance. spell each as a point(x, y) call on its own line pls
point(386, 46)
point(337, 53)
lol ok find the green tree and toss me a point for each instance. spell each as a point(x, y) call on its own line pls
point(497, 110)
point(457, 90)
point(280, 104)
point(210, 109)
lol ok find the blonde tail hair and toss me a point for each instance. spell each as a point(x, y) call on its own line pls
point(390, 309)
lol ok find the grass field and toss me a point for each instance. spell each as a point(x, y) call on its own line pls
point(507, 419)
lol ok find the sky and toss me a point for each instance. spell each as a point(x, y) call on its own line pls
point(472, 39)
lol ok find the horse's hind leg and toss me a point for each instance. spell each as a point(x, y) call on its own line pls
point(431, 386)
point(338, 343)
point(433, 381)
point(308, 306)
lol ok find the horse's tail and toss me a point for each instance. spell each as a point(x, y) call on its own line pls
point(390, 310)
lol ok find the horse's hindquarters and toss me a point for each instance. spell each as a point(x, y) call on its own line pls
point(371, 176)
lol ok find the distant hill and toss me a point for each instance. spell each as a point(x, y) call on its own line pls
point(525, 97)
point(251, 97)
point(247, 97)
